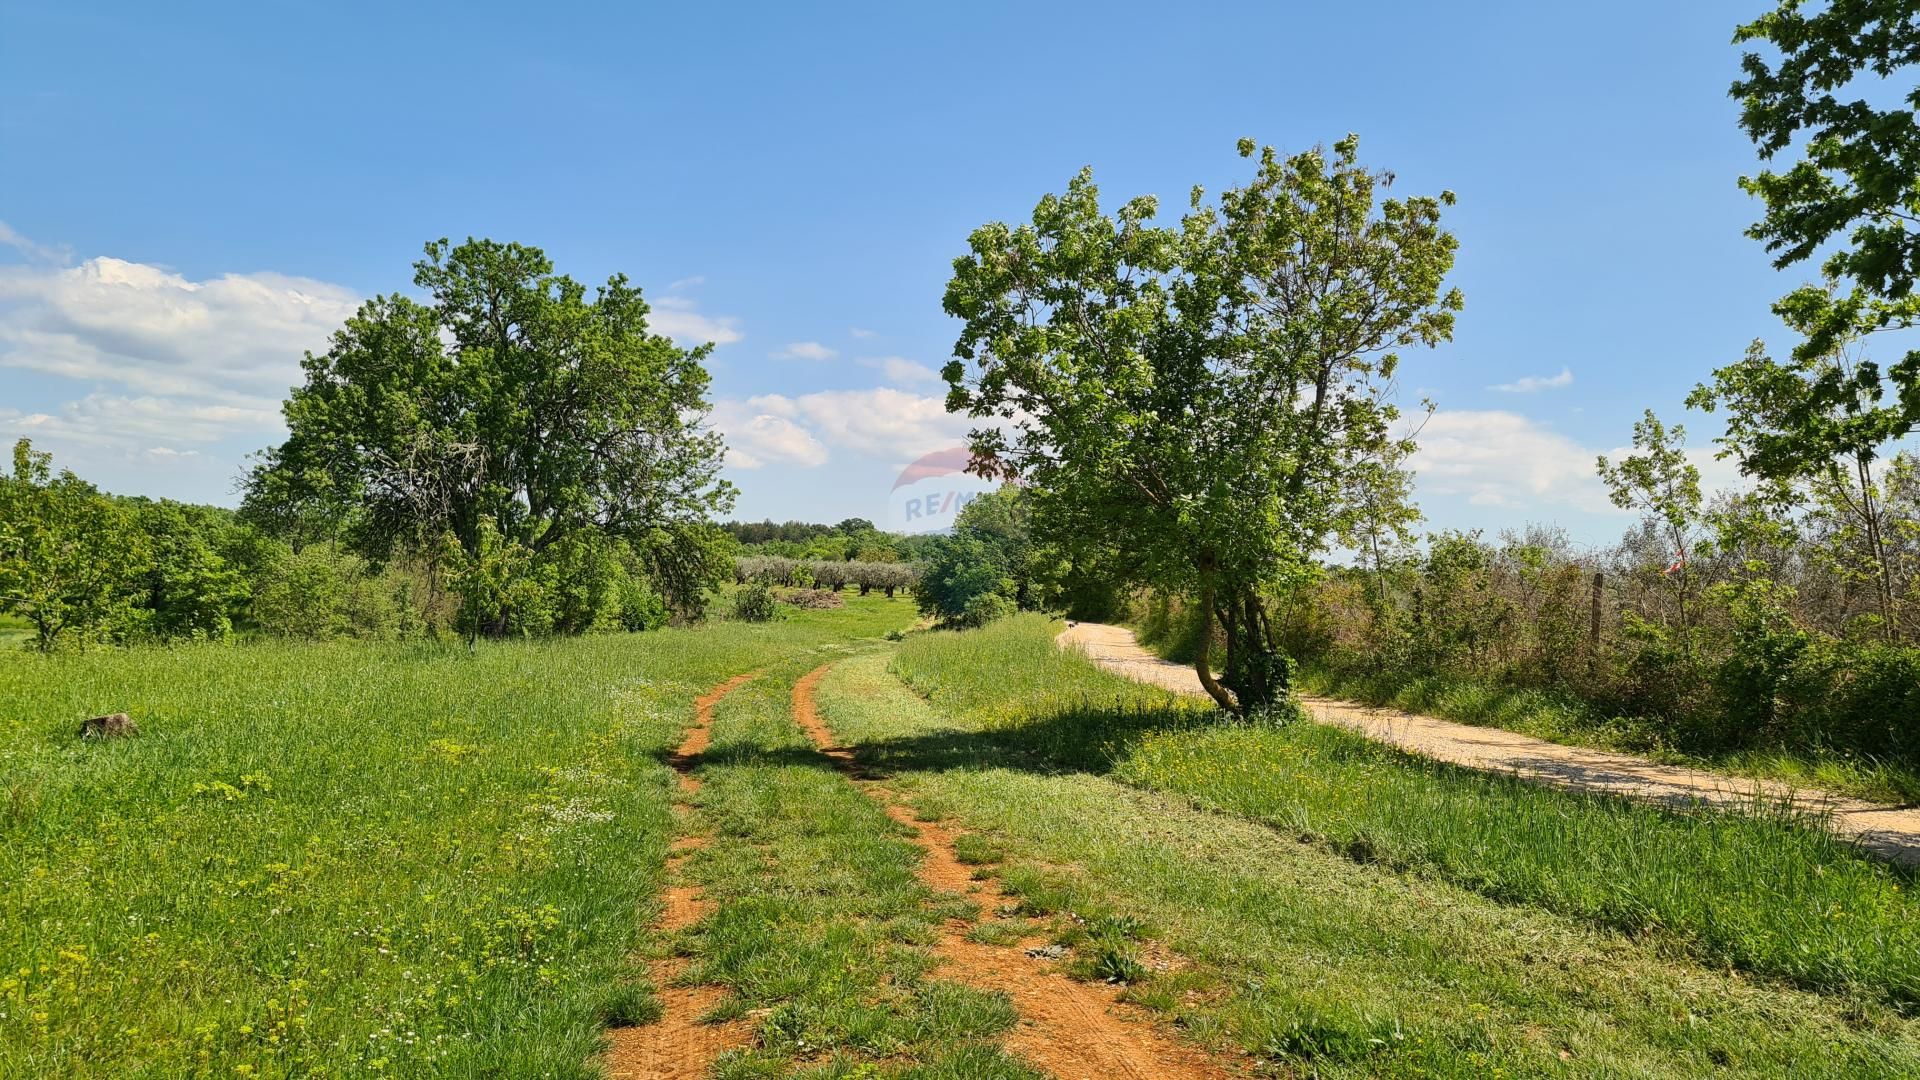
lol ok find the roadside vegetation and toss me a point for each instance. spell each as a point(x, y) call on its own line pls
point(1206, 414)
point(1755, 890)
point(1433, 921)
point(346, 860)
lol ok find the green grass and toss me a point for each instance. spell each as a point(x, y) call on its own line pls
point(1562, 718)
point(346, 859)
point(1750, 890)
point(820, 924)
point(15, 632)
point(1436, 920)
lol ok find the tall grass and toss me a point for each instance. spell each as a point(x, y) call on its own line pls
point(344, 859)
point(1765, 894)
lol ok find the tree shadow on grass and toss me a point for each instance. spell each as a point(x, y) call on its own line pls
point(1085, 738)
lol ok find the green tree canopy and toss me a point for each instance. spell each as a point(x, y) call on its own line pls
point(70, 557)
point(508, 411)
point(1840, 91)
point(1191, 394)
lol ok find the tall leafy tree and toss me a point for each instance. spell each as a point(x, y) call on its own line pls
point(1838, 90)
point(1819, 420)
point(510, 411)
point(1658, 480)
point(1194, 392)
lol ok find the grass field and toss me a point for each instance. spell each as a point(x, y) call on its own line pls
point(358, 860)
point(1436, 922)
point(1743, 889)
point(347, 859)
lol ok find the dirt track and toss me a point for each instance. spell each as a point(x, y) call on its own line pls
point(1891, 832)
point(1069, 1029)
point(678, 1046)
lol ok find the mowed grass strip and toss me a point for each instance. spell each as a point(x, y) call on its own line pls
point(1754, 891)
point(821, 925)
point(345, 860)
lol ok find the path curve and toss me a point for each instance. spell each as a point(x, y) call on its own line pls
point(1072, 1030)
point(1890, 832)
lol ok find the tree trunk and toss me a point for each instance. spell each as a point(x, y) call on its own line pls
point(1201, 666)
point(1257, 674)
point(1883, 577)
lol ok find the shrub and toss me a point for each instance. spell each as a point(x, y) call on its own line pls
point(984, 608)
point(812, 598)
point(640, 607)
point(959, 572)
point(754, 602)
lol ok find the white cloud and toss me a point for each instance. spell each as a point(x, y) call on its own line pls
point(10, 237)
point(901, 371)
point(164, 357)
point(860, 332)
point(1497, 458)
point(756, 437)
point(1533, 384)
point(106, 426)
point(881, 422)
point(677, 317)
point(804, 350)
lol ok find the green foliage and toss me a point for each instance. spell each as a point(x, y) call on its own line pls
point(962, 572)
point(888, 577)
point(1659, 481)
point(640, 607)
point(1765, 647)
point(70, 557)
point(1777, 669)
point(1853, 190)
point(983, 608)
point(754, 602)
point(189, 589)
point(513, 415)
point(1812, 429)
point(304, 594)
point(1191, 395)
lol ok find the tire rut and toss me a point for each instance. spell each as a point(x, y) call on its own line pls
point(1069, 1029)
point(678, 1046)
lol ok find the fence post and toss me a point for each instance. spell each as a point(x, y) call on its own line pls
point(1593, 628)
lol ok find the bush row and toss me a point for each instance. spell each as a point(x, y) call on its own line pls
point(833, 575)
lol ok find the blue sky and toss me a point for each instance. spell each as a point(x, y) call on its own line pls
point(193, 194)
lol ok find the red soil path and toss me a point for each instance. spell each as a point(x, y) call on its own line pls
point(1068, 1028)
point(678, 1046)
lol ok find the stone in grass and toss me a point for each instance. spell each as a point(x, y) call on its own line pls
point(111, 726)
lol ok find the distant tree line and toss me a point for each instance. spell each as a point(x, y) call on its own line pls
point(83, 567)
point(831, 574)
point(852, 539)
point(508, 455)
